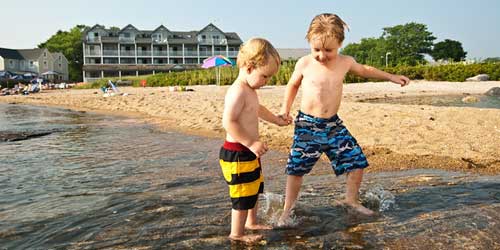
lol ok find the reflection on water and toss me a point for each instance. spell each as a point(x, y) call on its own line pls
point(103, 182)
point(484, 101)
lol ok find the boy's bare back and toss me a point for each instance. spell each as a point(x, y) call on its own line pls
point(321, 84)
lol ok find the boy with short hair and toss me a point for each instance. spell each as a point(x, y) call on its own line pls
point(257, 61)
point(318, 129)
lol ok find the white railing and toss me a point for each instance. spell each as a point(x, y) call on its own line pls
point(110, 52)
point(205, 53)
point(93, 39)
point(190, 53)
point(175, 53)
point(126, 39)
point(232, 53)
point(144, 53)
point(127, 53)
point(92, 53)
point(160, 53)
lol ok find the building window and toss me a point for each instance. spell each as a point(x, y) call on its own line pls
point(127, 35)
point(31, 63)
point(59, 57)
point(60, 65)
point(203, 37)
point(11, 63)
point(44, 54)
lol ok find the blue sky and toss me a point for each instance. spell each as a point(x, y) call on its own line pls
point(473, 23)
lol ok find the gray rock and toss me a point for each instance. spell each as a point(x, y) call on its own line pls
point(478, 78)
point(495, 91)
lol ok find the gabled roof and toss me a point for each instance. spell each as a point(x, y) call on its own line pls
point(31, 53)
point(210, 25)
point(129, 25)
point(159, 27)
point(21, 54)
point(10, 54)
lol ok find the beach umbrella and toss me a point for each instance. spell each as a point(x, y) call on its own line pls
point(217, 61)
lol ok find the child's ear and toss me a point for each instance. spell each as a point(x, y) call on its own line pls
point(249, 69)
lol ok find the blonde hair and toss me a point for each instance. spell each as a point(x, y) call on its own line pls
point(257, 52)
point(327, 25)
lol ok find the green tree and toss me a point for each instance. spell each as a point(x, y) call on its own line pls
point(407, 43)
point(369, 51)
point(69, 43)
point(448, 50)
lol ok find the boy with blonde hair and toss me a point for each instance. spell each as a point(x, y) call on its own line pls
point(318, 129)
point(240, 155)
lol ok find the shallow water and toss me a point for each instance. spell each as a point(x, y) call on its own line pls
point(440, 100)
point(101, 182)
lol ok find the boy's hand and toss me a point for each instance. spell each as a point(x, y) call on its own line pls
point(258, 148)
point(286, 117)
point(282, 120)
point(401, 80)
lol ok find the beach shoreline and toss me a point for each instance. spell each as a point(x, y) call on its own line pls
point(393, 136)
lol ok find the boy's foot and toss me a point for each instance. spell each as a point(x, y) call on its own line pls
point(248, 238)
point(357, 207)
point(258, 227)
point(285, 221)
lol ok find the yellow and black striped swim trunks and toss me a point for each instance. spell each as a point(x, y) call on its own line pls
point(243, 173)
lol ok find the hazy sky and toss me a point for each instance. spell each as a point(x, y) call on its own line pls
point(475, 24)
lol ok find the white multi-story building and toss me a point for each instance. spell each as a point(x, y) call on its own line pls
point(133, 52)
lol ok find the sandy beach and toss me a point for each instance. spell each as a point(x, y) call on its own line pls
point(393, 136)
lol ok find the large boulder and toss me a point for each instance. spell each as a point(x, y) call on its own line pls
point(478, 78)
point(495, 91)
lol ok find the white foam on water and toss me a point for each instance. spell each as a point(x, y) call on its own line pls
point(377, 197)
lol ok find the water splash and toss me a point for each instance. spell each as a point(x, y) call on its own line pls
point(379, 198)
point(272, 208)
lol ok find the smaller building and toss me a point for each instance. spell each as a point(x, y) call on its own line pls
point(39, 62)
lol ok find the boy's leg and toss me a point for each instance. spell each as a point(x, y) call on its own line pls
point(354, 179)
point(293, 184)
point(238, 218)
point(251, 221)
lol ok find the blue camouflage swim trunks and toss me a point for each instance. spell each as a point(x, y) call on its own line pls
point(314, 136)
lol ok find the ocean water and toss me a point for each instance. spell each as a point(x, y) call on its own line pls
point(108, 182)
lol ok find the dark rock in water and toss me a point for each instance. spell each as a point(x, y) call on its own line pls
point(495, 91)
point(478, 78)
point(19, 136)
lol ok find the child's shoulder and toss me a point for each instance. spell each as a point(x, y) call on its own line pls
point(303, 61)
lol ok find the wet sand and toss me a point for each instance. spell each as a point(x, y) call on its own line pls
point(394, 136)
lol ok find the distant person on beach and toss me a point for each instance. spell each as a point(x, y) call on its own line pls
point(240, 155)
point(318, 128)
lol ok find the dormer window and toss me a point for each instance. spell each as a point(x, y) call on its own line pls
point(203, 37)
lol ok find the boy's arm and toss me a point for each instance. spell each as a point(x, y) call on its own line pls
point(292, 88)
point(268, 116)
point(371, 72)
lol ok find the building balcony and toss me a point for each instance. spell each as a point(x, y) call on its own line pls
point(206, 53)
point(110, 52)
point(93, 39)
point(144, 53)
point(175, 53)
point(109, 39)
point(190, 53)
point(92, 53)
point(127, 53)
point(160, 53)
point(126, 40)
point(213, 41)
